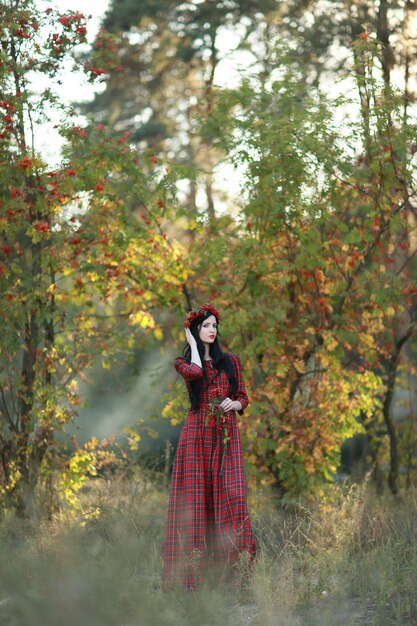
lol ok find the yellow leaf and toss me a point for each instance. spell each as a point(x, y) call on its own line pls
point(142, 319)
point(299, 366)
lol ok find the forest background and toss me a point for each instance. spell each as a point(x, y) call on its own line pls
point(256, 155)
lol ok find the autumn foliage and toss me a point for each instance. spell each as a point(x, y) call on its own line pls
point(311, 267)
point(84, 259)
point(316, 273)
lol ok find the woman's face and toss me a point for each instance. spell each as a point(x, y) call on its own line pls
point(208, 330)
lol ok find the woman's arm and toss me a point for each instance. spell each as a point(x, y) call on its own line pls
point(189, 371)
point(195, 356)
point(241, 396)
point(241, 400)
point(194, 370)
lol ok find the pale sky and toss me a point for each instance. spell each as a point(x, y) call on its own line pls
point(75, 87)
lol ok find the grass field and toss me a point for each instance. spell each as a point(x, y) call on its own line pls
point(351, 561)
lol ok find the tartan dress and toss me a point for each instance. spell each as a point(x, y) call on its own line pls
point(207, 526)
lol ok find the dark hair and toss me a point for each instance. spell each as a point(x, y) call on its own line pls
point(221, 361)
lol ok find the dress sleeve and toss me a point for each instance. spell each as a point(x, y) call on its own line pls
point(189, 371)
point(240, 394)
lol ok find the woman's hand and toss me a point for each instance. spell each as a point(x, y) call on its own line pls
point(190, 338)
point(230, 405)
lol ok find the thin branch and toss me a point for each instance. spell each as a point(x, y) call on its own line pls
point(6, 412)
point(406, 262)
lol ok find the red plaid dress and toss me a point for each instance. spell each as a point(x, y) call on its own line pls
point(207, 526)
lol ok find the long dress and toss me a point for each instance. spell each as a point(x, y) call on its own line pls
point(208, 530)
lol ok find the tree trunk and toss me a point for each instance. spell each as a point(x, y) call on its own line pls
point(26, 397)
point(383, 36)
point(391, 365)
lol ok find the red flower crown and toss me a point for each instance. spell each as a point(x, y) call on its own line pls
point(199, 312)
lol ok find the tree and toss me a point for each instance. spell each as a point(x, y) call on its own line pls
point(170, 53)
point(176, 45)
point(84, 256)
point(312, 278)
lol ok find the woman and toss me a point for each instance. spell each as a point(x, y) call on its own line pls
point(208, 527)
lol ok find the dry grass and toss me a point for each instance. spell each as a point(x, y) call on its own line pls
point(351, 561)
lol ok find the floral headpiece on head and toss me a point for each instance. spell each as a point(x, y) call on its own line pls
point(199, 312)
